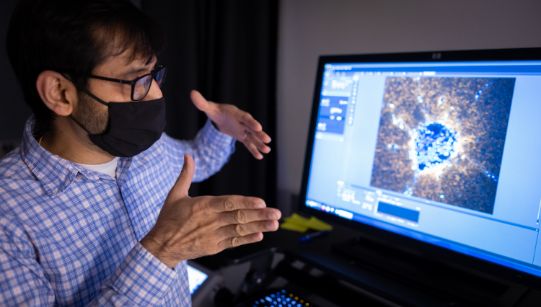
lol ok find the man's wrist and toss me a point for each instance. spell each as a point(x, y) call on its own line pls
point(214, 124)
point(157, 250)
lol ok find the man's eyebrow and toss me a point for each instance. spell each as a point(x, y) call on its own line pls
point(135, 72)
point(138, 71)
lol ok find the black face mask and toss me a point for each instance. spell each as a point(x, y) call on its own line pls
point(132, 126)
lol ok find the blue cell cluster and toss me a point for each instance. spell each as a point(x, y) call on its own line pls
point(435, 143)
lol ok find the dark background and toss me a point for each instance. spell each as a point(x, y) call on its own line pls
point(227, 50)
point(13, 111)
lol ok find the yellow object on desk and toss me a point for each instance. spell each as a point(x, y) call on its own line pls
point(298, 223)
point(294, 227)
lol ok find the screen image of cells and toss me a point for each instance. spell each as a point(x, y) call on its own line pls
point(434, 144)
point(442, 139)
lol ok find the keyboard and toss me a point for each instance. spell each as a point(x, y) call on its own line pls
point(281, 298)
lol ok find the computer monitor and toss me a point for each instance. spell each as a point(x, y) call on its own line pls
point(196, 277)
point(203, 284)
point(437, 148)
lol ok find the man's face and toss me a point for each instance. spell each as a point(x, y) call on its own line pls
point(94, 115)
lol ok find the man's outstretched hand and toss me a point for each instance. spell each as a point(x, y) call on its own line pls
point(233, 121)
point(189, 227)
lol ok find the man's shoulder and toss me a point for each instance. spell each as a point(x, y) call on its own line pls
point(16, 179)
point(12, 166)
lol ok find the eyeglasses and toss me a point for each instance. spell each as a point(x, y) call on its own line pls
point(140, 85)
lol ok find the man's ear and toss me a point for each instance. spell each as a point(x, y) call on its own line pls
point(57, 92)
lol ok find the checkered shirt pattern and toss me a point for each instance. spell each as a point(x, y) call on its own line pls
point(70, 236)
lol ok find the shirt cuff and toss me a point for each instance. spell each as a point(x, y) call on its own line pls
point(143, 278)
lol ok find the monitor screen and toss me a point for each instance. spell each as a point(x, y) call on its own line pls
point(196, 277)
point(441, 147)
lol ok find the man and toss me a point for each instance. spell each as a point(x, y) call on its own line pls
point(91, 210)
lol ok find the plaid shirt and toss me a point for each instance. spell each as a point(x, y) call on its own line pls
point(70, 236)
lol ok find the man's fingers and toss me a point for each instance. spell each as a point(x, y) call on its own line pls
point(239, 230)
point(235, 202)
point(184, 180)
point(262, 136)
point(254, 142)
point(253, 150)
point(246, 216)
point(258, 143)
point(248, 120)
point(237, 241)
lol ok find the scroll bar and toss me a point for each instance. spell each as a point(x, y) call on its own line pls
point(538, 212)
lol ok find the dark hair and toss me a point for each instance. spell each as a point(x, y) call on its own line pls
point(73, 37)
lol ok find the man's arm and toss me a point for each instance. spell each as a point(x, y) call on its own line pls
point(215, 142)
point(186, 228)
point(22, 280)
point(140, 280)
point(210, 149)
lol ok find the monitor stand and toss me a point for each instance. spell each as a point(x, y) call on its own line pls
point(449, 281)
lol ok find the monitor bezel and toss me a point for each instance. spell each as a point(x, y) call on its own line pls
point(398, 241)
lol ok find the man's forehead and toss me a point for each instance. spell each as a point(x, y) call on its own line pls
point(125, 62)
point(121, 49)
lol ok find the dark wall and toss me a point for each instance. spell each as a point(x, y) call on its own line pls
point(225, 49)
point(13, 111)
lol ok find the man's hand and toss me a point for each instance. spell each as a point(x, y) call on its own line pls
point(236, 123)
point(189, 228)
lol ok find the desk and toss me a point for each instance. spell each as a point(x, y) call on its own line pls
point(370, 283)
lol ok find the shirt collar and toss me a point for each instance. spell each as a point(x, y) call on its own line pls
point(53, 172)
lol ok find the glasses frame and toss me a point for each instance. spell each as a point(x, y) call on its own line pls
point(154, 73)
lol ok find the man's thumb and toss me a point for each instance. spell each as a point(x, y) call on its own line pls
point(184, 180)
point(200, 102)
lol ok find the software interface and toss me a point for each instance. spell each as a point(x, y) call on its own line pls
point(447, 153)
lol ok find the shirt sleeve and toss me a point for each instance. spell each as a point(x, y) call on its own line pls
point(210, 149)
point(22, 280)
point(140, 280)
